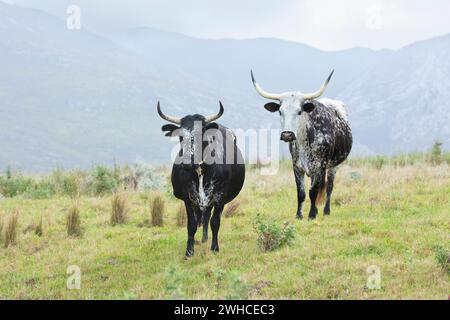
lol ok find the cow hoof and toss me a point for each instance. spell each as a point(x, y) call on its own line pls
point(299, 216)
point(312, 218)
point(215, 248)
point(189, 254)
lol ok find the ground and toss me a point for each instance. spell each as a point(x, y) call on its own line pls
point(393, 218)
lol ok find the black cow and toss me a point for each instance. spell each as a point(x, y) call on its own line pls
point(319, 137)
point(208, 173)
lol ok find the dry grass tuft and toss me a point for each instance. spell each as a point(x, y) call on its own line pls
point(181, 216)
point(232, 209)
point(38, 230)
point(119, 210)
point(157, 210)
point(73, 222)
point(10, 229)
point(1, 228)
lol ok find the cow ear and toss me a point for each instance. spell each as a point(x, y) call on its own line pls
point(308, 106)
point(272, 107)
point(169, 127)
point(212, 125)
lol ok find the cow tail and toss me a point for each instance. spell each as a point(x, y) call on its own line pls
point(322, 190)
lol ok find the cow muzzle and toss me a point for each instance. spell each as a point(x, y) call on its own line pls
point(287, 136)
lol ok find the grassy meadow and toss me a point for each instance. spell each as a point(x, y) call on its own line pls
point(391, 213)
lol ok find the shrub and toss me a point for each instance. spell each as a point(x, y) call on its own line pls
point(40, 190)
point(443, 258)
point(181, 216)
point(436, 155)
point(73, 222)
point(119, 210)
point(142, 176)
point(10, 229)
point(13, 185)
point(232, 209)
point(67, 184)
point(271, 235)
point(102, 181)
point(157, 211)
point(378, 162)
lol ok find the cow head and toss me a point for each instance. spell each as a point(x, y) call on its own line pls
point(290, 105)
point(190, 130)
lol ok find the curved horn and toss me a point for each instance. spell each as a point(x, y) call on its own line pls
point(315, 95)
point(212, 118)
point(267, 95)
point(168, 118)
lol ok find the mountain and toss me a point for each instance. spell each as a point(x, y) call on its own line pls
point(74, 98)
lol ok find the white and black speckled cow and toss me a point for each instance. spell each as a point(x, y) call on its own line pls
point(208, 173)
point(319, 137)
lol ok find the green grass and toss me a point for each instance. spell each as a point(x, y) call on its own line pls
point(393, 217)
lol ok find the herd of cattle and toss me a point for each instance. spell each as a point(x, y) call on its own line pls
point(209, 170)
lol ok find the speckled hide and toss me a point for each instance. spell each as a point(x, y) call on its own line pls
point(323, 141)
point(212, 177)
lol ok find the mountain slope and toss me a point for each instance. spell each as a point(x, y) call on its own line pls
point(73, 98)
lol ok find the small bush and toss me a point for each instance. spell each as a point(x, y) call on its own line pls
point(102, 181)
point(232, 209)
point(436, 155)
point(143, 176)
point(271, 235)
point(378, 162)
point(119, 210)
point(10, 229)
point(181, 216)
point(73, 222)
point(40, 190)
point(157, 211)
point(67, 184)
point(12, 185)
point(443, 258)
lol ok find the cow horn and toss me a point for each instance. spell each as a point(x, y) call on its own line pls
point(168, 118)
point(315, 95)
point(267, 95)
point(212, 118)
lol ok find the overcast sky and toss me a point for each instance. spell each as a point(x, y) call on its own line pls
point(326, 24)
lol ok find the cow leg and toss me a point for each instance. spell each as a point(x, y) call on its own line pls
point(330, 182)
point(191, 228)
point(215, 225)
point(299, 178)
point(301, 194)
point(317, 182)
point(206, 217)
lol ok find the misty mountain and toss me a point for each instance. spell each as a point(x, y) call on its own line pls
point(74, 98)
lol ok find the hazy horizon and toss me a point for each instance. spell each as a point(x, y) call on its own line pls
point(374, 24)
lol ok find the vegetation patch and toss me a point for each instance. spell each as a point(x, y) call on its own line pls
point(273, 235)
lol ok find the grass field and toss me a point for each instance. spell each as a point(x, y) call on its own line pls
point(396, 218)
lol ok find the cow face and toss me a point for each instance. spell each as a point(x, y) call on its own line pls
point(190, 130)
point(290, 108)
point(191, 134)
